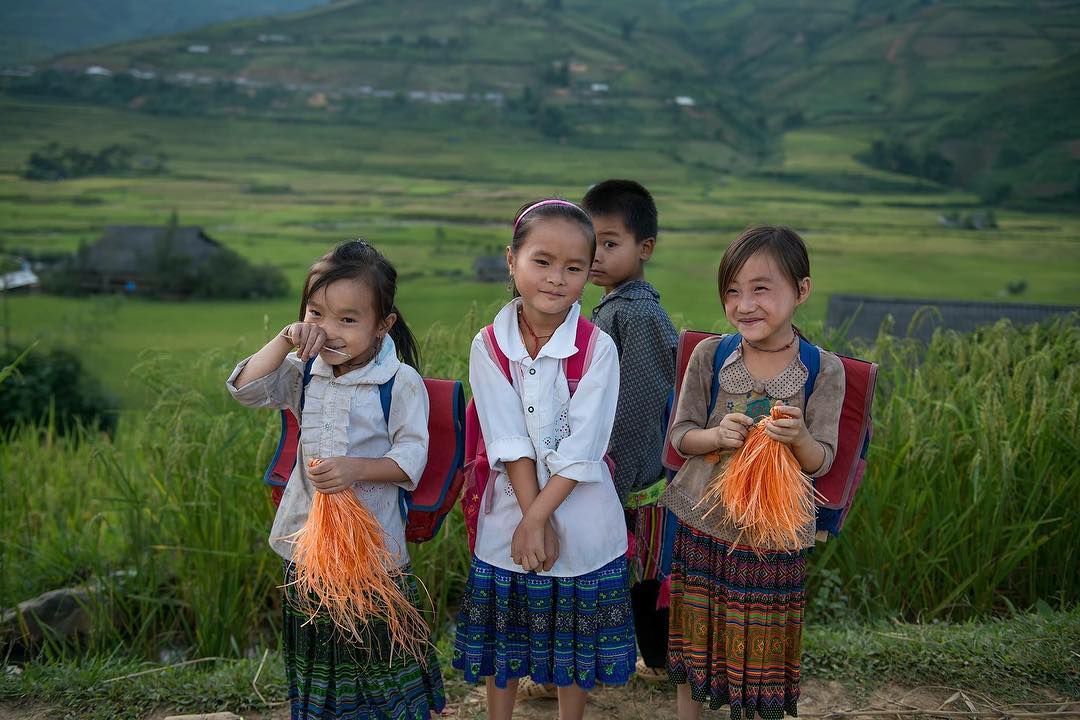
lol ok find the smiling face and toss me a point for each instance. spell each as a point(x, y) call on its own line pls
point(551, 266)
point(619, 256)
point(345, 310)
point(761, 299)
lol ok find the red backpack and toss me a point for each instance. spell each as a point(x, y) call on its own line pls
point(478, 472)
point(837, 486)
point(425, 508)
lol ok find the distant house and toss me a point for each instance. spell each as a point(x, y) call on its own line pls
point(491, 268)
point(24, 279)
point(124, 256)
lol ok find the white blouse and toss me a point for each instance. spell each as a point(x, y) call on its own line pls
point(343, 417)
point(536, 418)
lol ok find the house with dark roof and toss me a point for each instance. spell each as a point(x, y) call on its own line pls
point(861, 316)
point(491, 268)
point(126, 257)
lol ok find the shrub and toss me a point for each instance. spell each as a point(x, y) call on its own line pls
point(53, 387)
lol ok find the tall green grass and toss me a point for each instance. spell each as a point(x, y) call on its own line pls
point(970, 507)
point(971, 503)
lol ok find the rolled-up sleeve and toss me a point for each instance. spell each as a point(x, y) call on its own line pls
point(822, 416)
point(580, 455)
point(693, 408)
point(278, 389)
point(408, 426)
point(502, 421)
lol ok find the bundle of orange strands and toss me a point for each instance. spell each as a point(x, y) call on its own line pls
point(764, 491)
point(343, 569)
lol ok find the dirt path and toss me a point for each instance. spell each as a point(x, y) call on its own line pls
point(641, 701)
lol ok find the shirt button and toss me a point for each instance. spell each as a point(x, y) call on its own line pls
point(530, 408)
point(532, 371)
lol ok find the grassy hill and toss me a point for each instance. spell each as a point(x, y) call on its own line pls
point(37, 29)
point(1023, 139)
point(607, 78)
point(906, 61)
point(606, 74)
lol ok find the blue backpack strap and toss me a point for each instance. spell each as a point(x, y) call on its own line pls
point(307, 379)
point(386, 392)
point(810, 356)
point(727, 345)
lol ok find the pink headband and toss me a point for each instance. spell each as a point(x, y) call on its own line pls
point(542, 203)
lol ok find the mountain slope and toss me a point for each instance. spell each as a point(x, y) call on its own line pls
point(1023, 139)
point(34, 29)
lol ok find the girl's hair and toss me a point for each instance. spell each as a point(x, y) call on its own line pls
point(358, 260)
point(783, 243)
point(533, 212)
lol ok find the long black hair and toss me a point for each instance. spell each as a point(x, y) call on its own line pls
point(359, 260)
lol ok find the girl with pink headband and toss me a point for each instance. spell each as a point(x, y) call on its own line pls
point(548, 592)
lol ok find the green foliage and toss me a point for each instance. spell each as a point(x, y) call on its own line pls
point(54, 162)
point(971, 501)
point(1018, 659)
point(969, 508)
point(898, 156)
point(52, 388)
point(1006, 658)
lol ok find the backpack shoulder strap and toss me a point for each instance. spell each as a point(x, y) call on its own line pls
point(578, 363)
point(386, 392)
point(810, 355)
point(496, 352)
point(307, 380)
point(724, 348)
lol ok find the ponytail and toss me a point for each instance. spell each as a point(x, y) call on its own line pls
point(407, 348)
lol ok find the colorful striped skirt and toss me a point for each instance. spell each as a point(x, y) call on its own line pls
point(736, 625)
point(557, 630)
point(330, 676)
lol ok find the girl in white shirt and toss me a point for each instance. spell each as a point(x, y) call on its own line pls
point(548, 592)
point(348, 343)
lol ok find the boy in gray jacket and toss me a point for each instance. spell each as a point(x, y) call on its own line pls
point(624, 215)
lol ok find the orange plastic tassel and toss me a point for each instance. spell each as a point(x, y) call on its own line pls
point(764, 491)
point(343, 569)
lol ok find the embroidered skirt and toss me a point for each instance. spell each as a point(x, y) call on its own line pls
point(736, 625)
point(556, 630)
point(329, 676)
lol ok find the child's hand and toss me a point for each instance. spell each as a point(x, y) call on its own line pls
point(307, 338)
point(551, 546)
point(333, 475)
point(528, 546)
point(790, 429)
point(730, 434)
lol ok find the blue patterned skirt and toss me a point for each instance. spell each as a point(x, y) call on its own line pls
point(557, 630)
point(333, 678)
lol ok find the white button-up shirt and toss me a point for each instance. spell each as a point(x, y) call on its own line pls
point(343, 417)
point(536, 418)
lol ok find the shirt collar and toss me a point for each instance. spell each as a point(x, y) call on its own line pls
point(561, 345)
point(376, 372)
point(631, 290)
point(784, 385)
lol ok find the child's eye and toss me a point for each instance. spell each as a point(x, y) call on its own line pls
point(313, 313)
point(347, 320)
point(732, 291)
point(542, 263)
point(760, 288)
point(573, 269)
point(609, 245)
